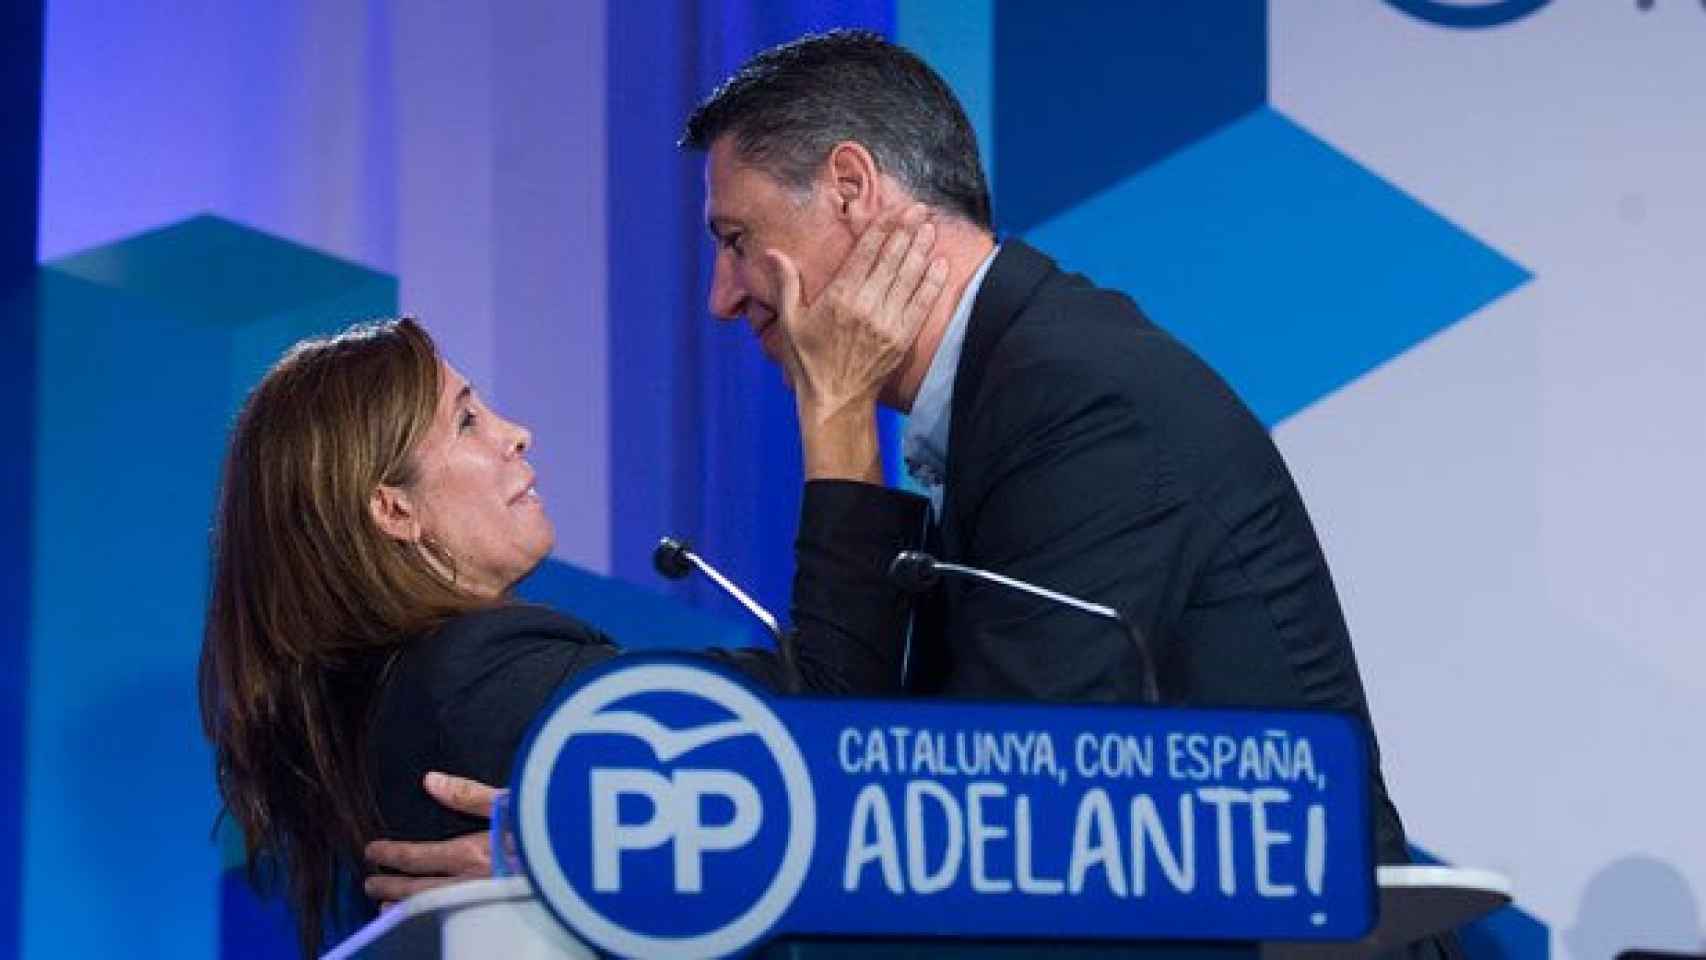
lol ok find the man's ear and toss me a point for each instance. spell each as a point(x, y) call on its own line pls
point(394, 512)
point(853, 178)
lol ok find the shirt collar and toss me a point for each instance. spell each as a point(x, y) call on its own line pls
point(924, 444)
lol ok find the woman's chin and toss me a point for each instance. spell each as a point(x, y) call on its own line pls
point(539, 557)
point(547, 540)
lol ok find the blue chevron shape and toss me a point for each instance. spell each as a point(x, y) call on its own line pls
point(1289, 267)
point(1088, 93)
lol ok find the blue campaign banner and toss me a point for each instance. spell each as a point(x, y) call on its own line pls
point(665, 806)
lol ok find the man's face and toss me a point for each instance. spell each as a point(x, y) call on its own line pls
point(748, 211)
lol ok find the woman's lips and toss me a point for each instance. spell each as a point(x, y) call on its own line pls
point(529, 493)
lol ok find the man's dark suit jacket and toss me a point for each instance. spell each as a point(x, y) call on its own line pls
point(1092, 453)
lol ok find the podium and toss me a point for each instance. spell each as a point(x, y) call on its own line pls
point(498, 917)
point(1416, 902)
point(501, 917)
point(666, 807)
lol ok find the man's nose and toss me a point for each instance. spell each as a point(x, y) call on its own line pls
point(728, 297)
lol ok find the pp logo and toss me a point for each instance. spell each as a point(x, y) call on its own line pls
point(664, 810)
point(1469, 14)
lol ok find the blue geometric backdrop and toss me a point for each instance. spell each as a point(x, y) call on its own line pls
point(1138, 143)
point(1134, 143)
point(20, 180)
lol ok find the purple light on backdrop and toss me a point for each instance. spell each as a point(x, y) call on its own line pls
point(455, 149)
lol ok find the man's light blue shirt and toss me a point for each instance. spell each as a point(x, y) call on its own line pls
point(924, 444)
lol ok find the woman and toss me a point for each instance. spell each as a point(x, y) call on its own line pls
point(373, 517)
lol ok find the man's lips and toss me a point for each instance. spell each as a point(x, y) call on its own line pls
point(766, 332)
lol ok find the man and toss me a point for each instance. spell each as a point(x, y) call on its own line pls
point(1063, 438)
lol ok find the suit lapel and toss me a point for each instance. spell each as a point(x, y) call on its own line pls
point(1013, 279)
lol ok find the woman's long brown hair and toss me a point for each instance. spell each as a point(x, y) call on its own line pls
point(310, 600)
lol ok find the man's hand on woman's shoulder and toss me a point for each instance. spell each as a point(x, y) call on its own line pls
point(423, 865)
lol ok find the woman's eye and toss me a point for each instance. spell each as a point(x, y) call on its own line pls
point(466, 420)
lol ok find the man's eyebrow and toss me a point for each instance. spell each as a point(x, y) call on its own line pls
point(717, 225)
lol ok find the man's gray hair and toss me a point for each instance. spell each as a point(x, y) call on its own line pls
point(787, 107)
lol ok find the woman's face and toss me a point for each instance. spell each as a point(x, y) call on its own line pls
point(473, 493)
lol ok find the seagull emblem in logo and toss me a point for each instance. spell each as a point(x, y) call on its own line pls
point(668, 744)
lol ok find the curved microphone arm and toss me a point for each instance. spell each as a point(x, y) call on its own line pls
point(1094, 609)
point(917, 572)
point(675, 559)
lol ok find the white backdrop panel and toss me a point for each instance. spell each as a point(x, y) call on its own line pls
point(1513, 508)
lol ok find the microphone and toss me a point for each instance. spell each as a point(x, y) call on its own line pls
point(917, 572)
point(670, 558)
point(914, 571)
point(675, 559)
